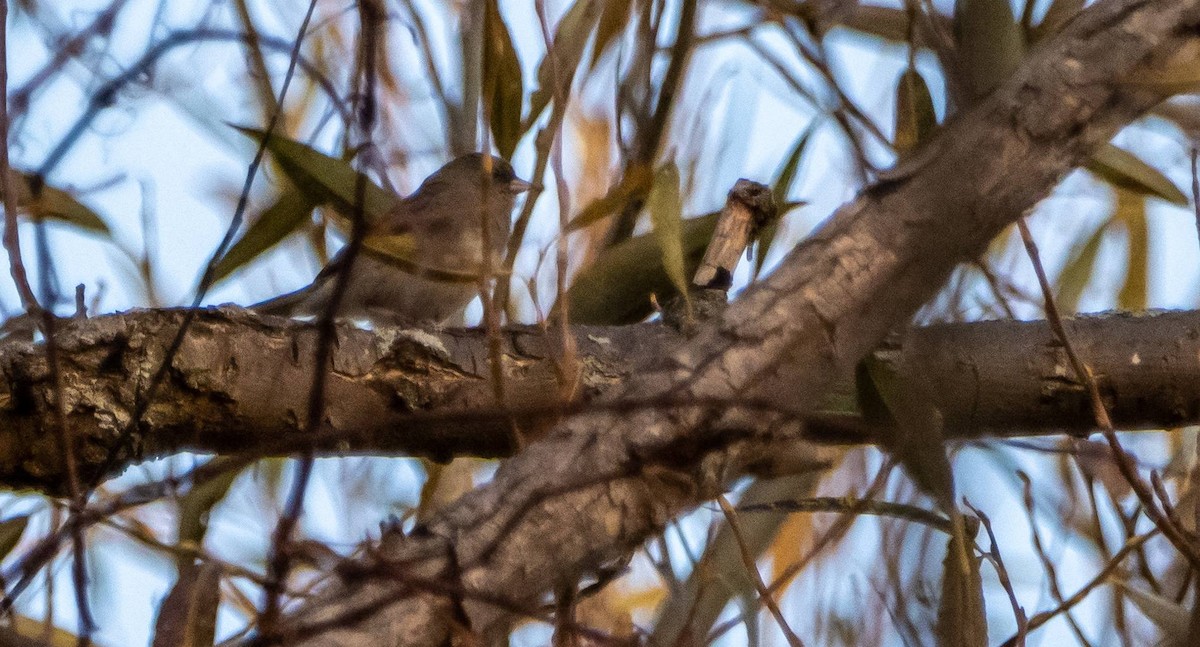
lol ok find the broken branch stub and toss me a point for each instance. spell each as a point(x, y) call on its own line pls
point(749, 207)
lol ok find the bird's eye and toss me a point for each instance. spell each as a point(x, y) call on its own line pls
point(503, 173)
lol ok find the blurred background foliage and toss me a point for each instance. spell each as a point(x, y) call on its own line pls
point(124, 111)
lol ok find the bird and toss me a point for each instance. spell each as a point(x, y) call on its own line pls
point(440, 229)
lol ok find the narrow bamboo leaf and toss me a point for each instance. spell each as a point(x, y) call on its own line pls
point(56, 204)
point(1078, 272)
point(697, 602)
point(962, 616)
point(613, 21)
point(1123, 169)
point(194, 510)
point(1169, 616)
point(11, 530)
point(1184, 115)
point(780, 188)
point(328, 180)
point(288, 213)
point(915, 117)
point(887, 23)
point(666, 215)
point(188, 615)
point(1131, 211)
point(910, 425)
point(444, 484)
point(616, 288)
point(637, 181)
point(502, 78)
point(989, 42)
point(570, 39)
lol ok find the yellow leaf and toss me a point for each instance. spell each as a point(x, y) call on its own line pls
point(55, 204)
point(962, 616)
point(1078, 272)
point(1131, 211)
point(1125, 170)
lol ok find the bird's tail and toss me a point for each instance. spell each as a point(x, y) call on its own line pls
point(284, 305)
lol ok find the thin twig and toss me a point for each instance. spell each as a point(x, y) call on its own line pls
point(63, 51)
point(764, 594)
point(66, 444)
point(993, 555)
point(279, 560)
point(835, 533)
point(12, 240)
point(1196, 188)
point(855, 506)
point(566, 362)
point(1042, 618)
point(1047, 563)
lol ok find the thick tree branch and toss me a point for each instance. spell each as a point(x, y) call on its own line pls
point(238, 385)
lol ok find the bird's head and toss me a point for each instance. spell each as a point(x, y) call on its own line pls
point(470, 170)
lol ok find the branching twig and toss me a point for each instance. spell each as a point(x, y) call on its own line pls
point(1178, 536)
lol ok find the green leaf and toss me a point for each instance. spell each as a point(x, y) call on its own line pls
point(56, 204)
point(188, 615)
point(616, 288)
point(289, 212)
point(915, 117)
point(779, 189)
point(1125, 170)
point(197, 504)
point(570, 38)
point(613, 20)
point(502, 79)
point(666, 215)
point(11, 530)
point(1078, 272)
point(990, 43)
point(909, 425)
point(1171, 617)
point(328, 180)
point(637, 181)
point(962, 615)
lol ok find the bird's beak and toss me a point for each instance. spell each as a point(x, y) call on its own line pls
point(517, 185)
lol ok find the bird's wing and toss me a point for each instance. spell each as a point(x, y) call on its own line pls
point(427, 210)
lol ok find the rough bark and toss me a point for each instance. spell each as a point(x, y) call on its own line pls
point(600, 484)
point(239, 385)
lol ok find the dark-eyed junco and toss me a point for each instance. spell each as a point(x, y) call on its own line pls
point(422, 261)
